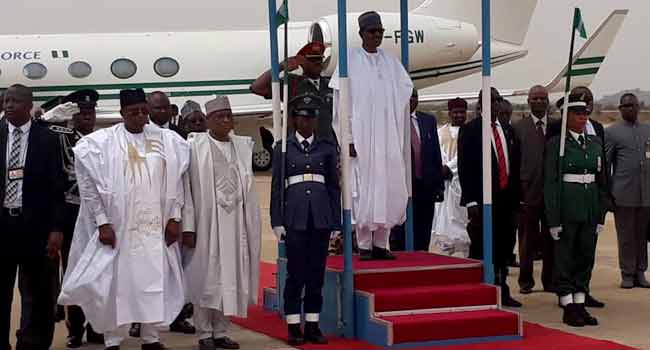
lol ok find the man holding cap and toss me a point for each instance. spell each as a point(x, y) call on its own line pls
point(311, 210)
point(310, 59)
point(575, 197)
point(380, 90)
point(124, 264)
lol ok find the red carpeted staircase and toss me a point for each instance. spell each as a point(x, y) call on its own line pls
point(427, 299)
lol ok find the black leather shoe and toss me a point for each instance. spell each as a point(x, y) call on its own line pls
point(509, 302)
point(182, 326)
point(313, 334)
point(382, 254)
point(295, 335)
point(135, 330)
point(74, 341)
point(589, 320)
point(153, 346)
point(592, 302)
point(365, 254)
point(573, 316)
point(225, 343)
point(93, 337)
point(526, 290)
point(207, 344)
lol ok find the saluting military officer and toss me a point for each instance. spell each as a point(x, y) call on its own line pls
point(78, 106)
point(575, 198)
point(310, 212)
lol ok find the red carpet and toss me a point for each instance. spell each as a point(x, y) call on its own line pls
point(536, 337)
point(403, 260)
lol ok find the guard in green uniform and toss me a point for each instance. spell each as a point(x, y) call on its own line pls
point(575, 197)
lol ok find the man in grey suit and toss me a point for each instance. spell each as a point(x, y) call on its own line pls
point(533, 231)
point(627, 145)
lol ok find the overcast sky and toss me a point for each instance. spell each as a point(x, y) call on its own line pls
point(547, 39)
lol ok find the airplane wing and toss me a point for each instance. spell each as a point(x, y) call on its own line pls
point(586, 63)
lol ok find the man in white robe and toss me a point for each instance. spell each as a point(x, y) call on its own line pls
point(124, 265)
point(221, 225)
point(380, 89)
point(449, 232)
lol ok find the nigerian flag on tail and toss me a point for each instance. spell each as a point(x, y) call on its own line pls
point(282, 17)
point(579, 24)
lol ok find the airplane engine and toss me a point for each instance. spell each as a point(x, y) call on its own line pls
point(434, 42)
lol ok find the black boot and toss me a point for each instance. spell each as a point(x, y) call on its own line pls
point(295, 335)
point(92, 336)
point(313, 334)
point(573, 316)
point(382, 254)
point(501, 277)
point(365, 254)
point(589, 320)
point(590, 301)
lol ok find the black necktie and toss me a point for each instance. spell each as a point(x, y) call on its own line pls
point(581, 140)
point(305, 144)
point(540, 128)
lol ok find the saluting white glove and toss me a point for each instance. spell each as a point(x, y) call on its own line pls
point(279, 232)
point(335, 234)
point(555, 232)
point(61, 113)
point(599, 229)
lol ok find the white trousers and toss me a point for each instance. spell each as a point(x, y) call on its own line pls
point(148, 333)
point(210, 323)
point(366, 239)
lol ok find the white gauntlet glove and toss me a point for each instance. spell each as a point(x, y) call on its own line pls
point(555, 232)
point(61, 113)
point(279, 232)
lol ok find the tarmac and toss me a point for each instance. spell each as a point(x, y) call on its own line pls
point(625, 319)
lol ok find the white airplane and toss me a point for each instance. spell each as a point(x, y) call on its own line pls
point(444, 41)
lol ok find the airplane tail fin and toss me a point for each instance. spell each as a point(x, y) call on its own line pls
point(510, 18)
point(588, 60)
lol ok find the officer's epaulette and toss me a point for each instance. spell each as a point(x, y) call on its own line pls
point(60, 129)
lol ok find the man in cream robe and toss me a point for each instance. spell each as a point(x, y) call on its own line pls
point(380, 89)
point(449, 232)
point(124, 264)
point(221, 219)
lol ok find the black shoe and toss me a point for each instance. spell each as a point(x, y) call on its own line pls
point(573, 316)
point(365, 254)
point(592, 302)
point(182, 326)
point(93, 337)
point(589, 320)
point(525, 290)
point(135, 330)
point(295, 335)
point(153, 346)
point(382, 254)
point(74, 341)
point(313, 334)
point(207, 344)
point(225, 343)
point(509, 302)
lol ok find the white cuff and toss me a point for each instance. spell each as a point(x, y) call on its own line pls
point(579, 298)
point(311, 317)
point(293, 319)
point(176, 213)
point(566, 299)
point(471, 204)
point(101, 220)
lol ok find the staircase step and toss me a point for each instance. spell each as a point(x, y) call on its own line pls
point(453, 325)
point(432, 297)
point(419, 277)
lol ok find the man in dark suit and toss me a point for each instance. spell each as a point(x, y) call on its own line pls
point(160, 112)
point(31, 220)
point(505, 190)
point(427, 178)
point(593, 128)
point(534, 236)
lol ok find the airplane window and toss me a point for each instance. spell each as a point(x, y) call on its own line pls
point(79, 69)
point(123, 68)
point(35, 71)
point(166, 67)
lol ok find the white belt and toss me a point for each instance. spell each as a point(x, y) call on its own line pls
point(579, 178)
point(296, 179)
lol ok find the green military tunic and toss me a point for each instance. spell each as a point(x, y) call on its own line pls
point(577, 207)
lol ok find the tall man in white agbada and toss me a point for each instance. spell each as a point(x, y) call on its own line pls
point(221, 222)
point(449, 232)
point(380, 89)
point(124, 265)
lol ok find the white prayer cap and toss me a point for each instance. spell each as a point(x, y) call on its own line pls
point(219, 103)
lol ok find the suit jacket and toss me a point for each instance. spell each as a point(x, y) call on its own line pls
point(431, 157)
point(320, 201)
point(43, 189)
point(175, 128)
point(532, 159)
point(470, 167)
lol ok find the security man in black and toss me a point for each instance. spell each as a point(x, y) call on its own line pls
point(310, 212)
point(83, 123)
